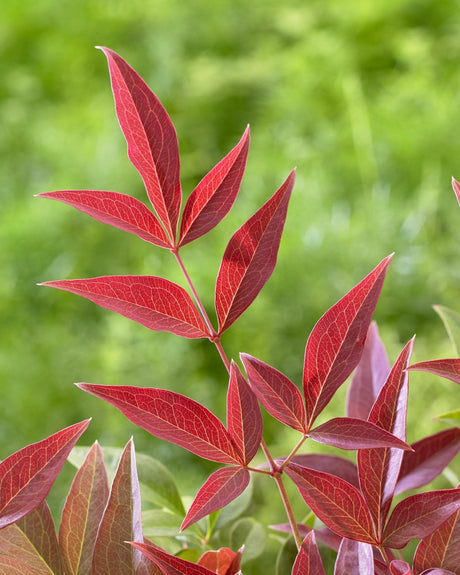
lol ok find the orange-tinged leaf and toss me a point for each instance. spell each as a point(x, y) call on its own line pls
point(170, 564)
point(12, 566)
point(223, 561)
point(15, 543)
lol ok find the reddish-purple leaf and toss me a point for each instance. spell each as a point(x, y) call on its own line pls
point(15, 543)
point(212, 199)
point(448, 368)
point(280, 397)
point(38, 526)
point(172, 417)
point(250, 257)
point(441, 548)
point(338, 504)
point(369, 376)
point(308, 560)
point(224, 561)
point(170, 564)
point(120, 523)
point(332, 464)
point(222, 487)
point(151, 138)
point(118, 210)
point(438, 572)
point(381, 568)
point(456, 187)
point(350, 433)
point(27, 475)
point(418, 516)
point(82, 513)
point(151, 301)
point(354, 557)
point(430, 456)
point(379, 468)
point(244, 420)
point(336, 343)
point(398, 567)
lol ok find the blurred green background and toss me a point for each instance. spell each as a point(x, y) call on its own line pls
point(363, 97)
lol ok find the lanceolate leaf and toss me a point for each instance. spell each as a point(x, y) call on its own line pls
point(430, 456)
point(118, 210)
point(448, 368)
point(418, 516)
point(336, 343)
point(280, 397)
point(369, 376)
point(151, 138)
point(15, 543)
point(172, 417)
point(379, 468)
point(308, 561)
point(27, 475)
point(244, 420)
point(338, 504)
point(151, 301)
point(170, 564)
point(212, 199)
point(350, 433)
point(354, 557)
point(82, 513)
point(250, 257)
point(222, 487)
point(451, 321)
point(441, 548)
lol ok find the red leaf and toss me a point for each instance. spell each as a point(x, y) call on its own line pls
point(172, 417)
point(224, 561)
point(244, 420)
point(338, 504)
point(27, 475)
point(448, 368)
point(379, 468)
point(120, 523)
point(221, 487)
point(118, 210)
point(441, 548)
point(456, 187)
point(250, 257)
point(276, 392)
point(369, 377)
point(399, 567)
point(170, 564)
point(354, 557)
point(212, 199)
point(151, 301)
point(308, 560)
point(11, 566)
point(151, 138)
point(336, 343)
point(332, 464)
point(430, 456)
point(349, 433)
point(418, 516)
point(82, 513)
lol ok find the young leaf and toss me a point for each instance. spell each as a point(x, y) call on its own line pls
point(222, 487)
point(170, 564)
point(15, 543)
point(244, 420)
point(418, 516)
point(224, 561)
point(12, 566)
point(308, 560)
point(332, 464)
point(430, 456)
point(451, 321)
point(379, 468)
point(280, 397)
point(82, 513)
point(27, 475)
point(151, 138)
point(350, 433)
point(154, 302)
point(338, 504)
point(451, 416)
point(369, 376)
point(354, 557)
point(399, 567)
point(448, 368)
point(441, 548)
point(336, 343)
point(172, 417)
point(250, 257)
point(212, 199)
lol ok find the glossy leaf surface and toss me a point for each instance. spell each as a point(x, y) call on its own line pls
point(27, 475)
point(250, 257)
point(336, 343)
point(212, 199)
point(151, 138)
point(354, 557)
point(448, 368)
point(172, 417)
point(308, 560)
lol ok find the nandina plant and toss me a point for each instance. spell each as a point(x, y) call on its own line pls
point(100, 529)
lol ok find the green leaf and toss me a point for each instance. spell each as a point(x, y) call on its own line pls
point(160, 523)
point(286, 556)
point(451, 320)
point(251, 534)
point(451, 417)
